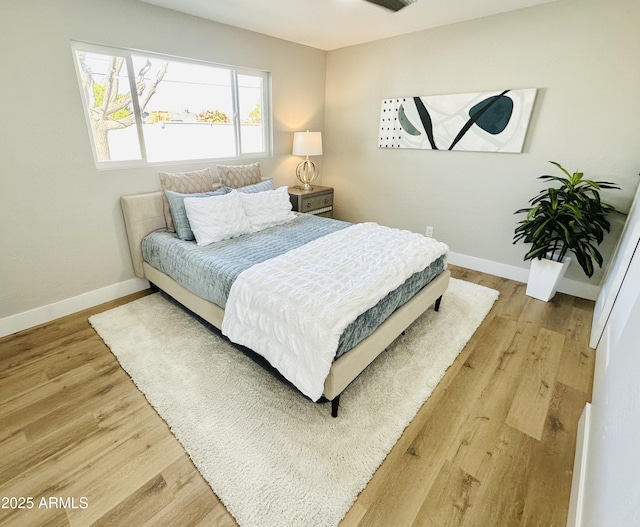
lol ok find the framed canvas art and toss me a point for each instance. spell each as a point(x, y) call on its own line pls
point(478, 122)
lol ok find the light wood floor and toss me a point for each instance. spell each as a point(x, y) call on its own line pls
point(492, 447)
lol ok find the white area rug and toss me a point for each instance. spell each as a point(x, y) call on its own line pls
point(272, 456)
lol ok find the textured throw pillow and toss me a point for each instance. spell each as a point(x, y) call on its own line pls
point(216, 218)
point(268, 208)
point(235, 176)
point(191, 182)
point(179, 213)
point(267, 184)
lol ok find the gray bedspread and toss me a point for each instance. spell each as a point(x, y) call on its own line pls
point(210, 271)
point(368, 322)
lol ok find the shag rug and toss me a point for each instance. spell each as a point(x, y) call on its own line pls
point(271, 455)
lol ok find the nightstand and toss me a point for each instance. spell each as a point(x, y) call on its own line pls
point(318, 201)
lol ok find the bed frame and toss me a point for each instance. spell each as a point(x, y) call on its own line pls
point(143, 214)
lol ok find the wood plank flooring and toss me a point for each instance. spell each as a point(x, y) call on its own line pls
point(492, 447)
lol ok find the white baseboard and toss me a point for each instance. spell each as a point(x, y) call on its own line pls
point(520, 274)
point(576, 502)
point(41, 315)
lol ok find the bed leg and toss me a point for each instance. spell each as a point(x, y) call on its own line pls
point(436, 307)
point(334, 406)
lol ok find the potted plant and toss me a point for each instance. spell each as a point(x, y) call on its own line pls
point(569, 219)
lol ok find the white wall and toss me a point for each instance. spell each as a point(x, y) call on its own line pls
point(63, 237)
point(582, 57)
point(62, 229)
point(610, 482)
point(606, 487)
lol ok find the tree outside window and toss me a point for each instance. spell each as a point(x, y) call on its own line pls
point(145, 108)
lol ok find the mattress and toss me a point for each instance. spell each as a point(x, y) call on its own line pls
point(210, 271)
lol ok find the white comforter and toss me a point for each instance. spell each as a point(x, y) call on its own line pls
point(292, 309)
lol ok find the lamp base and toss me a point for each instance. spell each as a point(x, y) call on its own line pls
point(306, 172)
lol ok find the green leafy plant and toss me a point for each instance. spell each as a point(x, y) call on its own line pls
point(571, 218)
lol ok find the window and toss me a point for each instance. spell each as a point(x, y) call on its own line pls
point(147, 108)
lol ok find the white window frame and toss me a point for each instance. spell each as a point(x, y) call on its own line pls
point(266, 114)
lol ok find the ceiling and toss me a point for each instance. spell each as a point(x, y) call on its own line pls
point(332, 24)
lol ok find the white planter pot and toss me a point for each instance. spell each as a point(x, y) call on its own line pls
point(544, 277)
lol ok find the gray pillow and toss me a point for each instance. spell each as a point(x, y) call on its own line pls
point(187, 183)
point(179, 213)
point(267, 184)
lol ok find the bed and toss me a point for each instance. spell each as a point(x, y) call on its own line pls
point(146, 223)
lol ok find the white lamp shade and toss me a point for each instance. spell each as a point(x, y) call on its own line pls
point(307, 143)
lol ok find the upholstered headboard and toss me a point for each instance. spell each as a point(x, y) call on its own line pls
point(143, 213)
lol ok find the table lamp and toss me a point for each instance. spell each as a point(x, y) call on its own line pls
point(307, 144)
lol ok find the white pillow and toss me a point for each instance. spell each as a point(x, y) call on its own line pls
point(216, 218)
point(267, 208)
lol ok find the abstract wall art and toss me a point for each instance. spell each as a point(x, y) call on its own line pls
point(479, 122)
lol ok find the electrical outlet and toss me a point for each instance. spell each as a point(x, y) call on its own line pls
point(429, 231)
